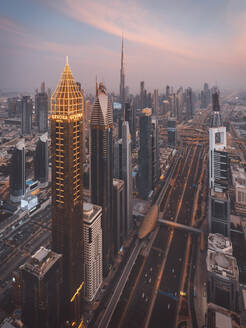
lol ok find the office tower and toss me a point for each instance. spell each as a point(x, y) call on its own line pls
point(127, 173)
point(118, 159)
point(219, 213)
point(145, 154)
point(67, 188)
point(171, 132)
point(92, 250)
point(12, 103)
point(215, 118)
point(179, 104)
point(42, 290)
point(218, 159)
point(26, 115)
point(142, 95)
point(156, 102)
point(155, 153)
point(41, 161)
point(167, 91)
point(17, 178)
point(119, 214)
point(87, 111)
point(189, 104)
point(222, 280)
point(122, 76)
point(41, 108)
point(205, 96)
point(101, 153)
point(130, 117)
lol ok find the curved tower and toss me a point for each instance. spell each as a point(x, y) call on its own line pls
point(67, 189)
point(101, 153)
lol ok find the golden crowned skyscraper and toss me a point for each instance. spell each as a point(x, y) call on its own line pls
point(67, 188)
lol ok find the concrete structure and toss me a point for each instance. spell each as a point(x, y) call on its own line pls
point(219, 213)
point(67, 188)
point(41, 161)
point(42, 290)
point(218, 159)
point(219, 243)
point(217, 319)
point(222, 280)
point(26, 115)
point(92, 250)
point(17, 176)
point(101, 160)
point(119, 214)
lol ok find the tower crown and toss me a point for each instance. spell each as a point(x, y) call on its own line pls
point(67, 99)
point(102, 114)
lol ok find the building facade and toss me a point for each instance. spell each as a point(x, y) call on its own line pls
point(26, 115)
point(41, 109)
point(41, 161)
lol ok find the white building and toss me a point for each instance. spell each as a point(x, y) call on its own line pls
point(92, 250)
point(219, 243)
point(218, 159)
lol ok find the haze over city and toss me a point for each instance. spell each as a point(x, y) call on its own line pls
point(179, 42)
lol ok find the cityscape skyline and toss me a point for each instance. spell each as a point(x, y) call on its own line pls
point(175, 49)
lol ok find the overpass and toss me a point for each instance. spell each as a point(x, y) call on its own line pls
point(179, 226)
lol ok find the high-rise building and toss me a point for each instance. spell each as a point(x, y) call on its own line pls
point(171, 132)
point(130, 117)
point(179, 104)
point(17, 178)
point(155, 153)
point(26, 115)
point(12, 103)
point(119, 214)
point(219, 213)
point(92, 250)
point(41, 161)
point(215, 118)
point(218, 159)
point(189, 104)
point(127, 173)
point(167, 91)
point(205, 96)
point(42, 290)
point(143, 96)
point(118, 159)
point(122, 76)
point(101, 155)
point(67, 188)
point(145, 154)
point(41, 109)
point(222, 280)
point(156, 102)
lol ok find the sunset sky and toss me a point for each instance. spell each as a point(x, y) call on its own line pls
point(179, 42)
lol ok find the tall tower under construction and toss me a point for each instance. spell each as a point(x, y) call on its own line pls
point(67, 189)
point(101, 153)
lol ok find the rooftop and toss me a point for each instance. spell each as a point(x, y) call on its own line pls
point(219, 243)
point(90, 212)
point(40, 263)
point(223, 265)
point(219, 195)
point(222, 320)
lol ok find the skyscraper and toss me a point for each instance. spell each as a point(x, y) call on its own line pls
point(67, 188)
point(189, 104)
point(145, 154)
point(42, 290)
point(156, 102)
point(101, 153)
point(26, 115)
point(215, 118)
point(171, 132)
point(92, 250)
point(122, 76)
point(155, 153)
point(17, 178)
point(41, 159)
point(127, 173)
point(41, 108)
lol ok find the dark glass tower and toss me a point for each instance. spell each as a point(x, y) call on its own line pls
point(41, 160)
point(101, 153)
point(41, 107)
point(215, 118)
point(67, 188)
point(26, 115)
point(145, 154)
point(17, 173)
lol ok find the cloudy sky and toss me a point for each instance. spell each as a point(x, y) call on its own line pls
point(179, 42)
